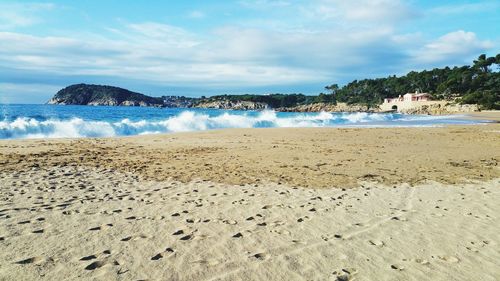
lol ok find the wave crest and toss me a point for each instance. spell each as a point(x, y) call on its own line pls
point(185, 121)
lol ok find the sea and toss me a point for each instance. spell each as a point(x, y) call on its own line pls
point(72, 121)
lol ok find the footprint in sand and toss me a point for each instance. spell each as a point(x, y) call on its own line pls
point(157, 257)
point(326, 237)
point(128, 238)
point(450, 259)
point(345, 274)
point(260, 256)
point(87, 258)
point(396, 219)
point(187, 237)
point(303, 219)
point(277, 223)
point(377, 243)
point(100, 227)
point(472, 249)
point(230, 222)
point(33, 260)
point(98, 264)
point(178, 232)
point(421, 261)
point(397, 267)
point(161, 255)
point(281, 231)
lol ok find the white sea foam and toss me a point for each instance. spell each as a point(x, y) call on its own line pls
point(192, 121)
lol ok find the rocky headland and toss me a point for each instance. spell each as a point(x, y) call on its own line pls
point(85, 94)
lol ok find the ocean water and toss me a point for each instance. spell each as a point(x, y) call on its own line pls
point(71, 121)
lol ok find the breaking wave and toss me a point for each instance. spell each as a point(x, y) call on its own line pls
point(185, 121)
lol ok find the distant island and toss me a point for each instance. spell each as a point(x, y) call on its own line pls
point(84, 94)
point(478, 85)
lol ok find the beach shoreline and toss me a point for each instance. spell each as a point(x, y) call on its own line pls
point(254, 204)
point(488, 115)
point(306, 157)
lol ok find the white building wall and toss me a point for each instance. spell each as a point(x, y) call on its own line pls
point(405, 105)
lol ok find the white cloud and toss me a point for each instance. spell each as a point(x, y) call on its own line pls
point(149, 52)
point(465, 8)
point(157, 30)
point(166, 34)
point(449, 47)
point(14, 15)
point(231, 56)
point(361, 12)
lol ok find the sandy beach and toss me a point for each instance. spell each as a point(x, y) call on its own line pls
point(254, 204)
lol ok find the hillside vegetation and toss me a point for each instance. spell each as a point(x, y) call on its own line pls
point(475, 84)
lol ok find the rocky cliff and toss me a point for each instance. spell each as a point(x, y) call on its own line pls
point(328, 107)
point(85, 94)
point(438, 108)
point(236, 105)
point(441, 108)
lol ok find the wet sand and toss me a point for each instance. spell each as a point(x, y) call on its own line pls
point(259, 204)
point(491, 115)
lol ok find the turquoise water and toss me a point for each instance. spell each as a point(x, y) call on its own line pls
point(69, 121)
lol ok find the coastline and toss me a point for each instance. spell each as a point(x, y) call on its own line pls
point(307, 157)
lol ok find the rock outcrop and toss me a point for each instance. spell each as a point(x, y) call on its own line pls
point(328, 107)
point(236, 105)
point(441, 108)
point(438, 108)
point(85, 94)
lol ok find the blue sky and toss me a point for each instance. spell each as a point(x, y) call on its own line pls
point(208, 47)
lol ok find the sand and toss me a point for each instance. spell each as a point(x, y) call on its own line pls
point(491, 115)
point(306, 157)
point(266, 204)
